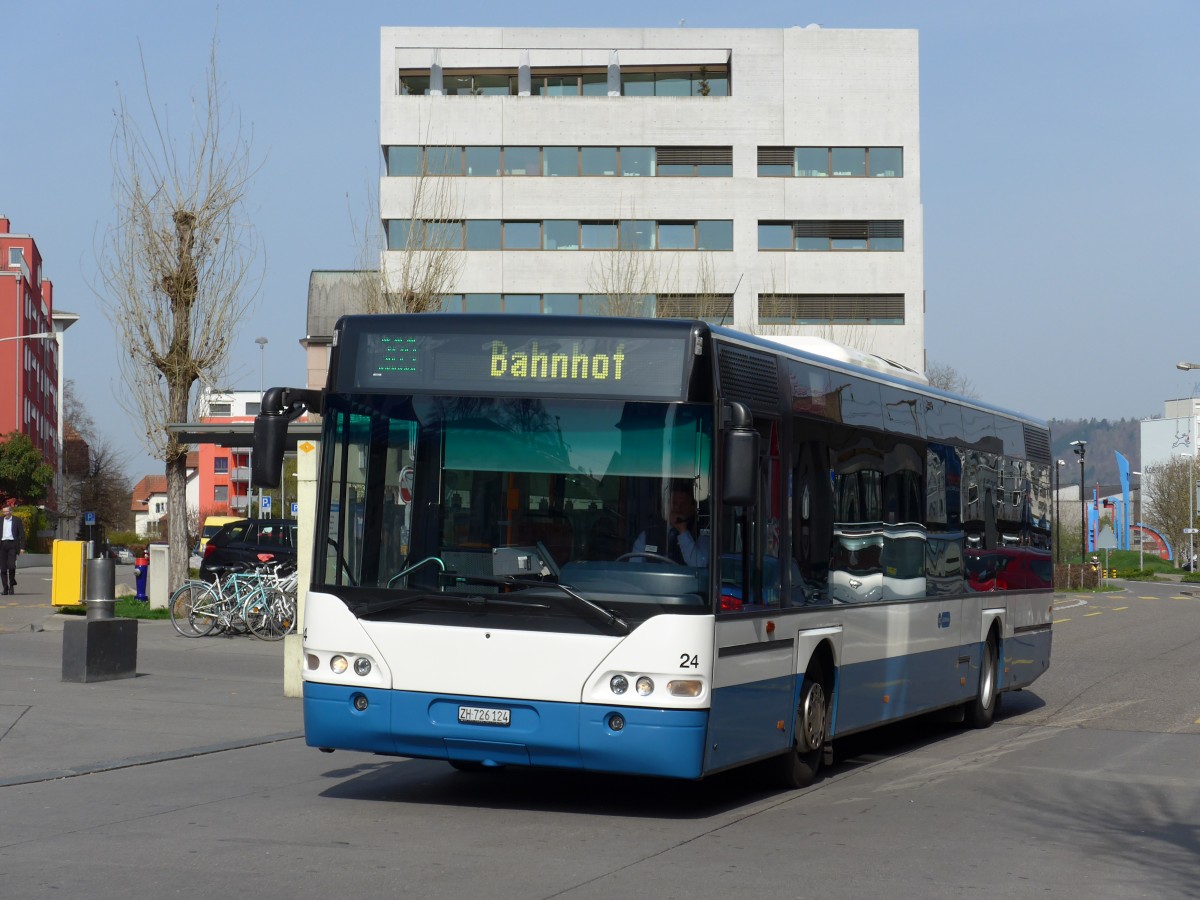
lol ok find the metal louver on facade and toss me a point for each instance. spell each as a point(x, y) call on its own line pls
point(694, 156)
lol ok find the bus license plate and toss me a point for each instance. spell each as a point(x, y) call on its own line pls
point(476, 715)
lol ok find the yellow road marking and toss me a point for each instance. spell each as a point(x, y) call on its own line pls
point(1085, 615)
point(1147, 598)
point(1120, 608)
point(1060, 621)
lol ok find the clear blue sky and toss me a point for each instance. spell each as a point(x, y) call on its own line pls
point(1058, 141)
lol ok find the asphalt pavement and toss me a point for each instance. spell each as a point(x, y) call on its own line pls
point(189, 696)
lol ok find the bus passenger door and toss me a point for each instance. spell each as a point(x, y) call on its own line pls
point(753, 672)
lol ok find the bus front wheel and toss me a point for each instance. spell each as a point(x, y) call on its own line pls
point(798, 767)
point(982, 710)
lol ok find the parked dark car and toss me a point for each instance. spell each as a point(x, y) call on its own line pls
point(249, 542)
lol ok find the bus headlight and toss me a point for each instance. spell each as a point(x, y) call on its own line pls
point(619, 684)
point(362, 666)
point(645, 686)
point(685, 688)
point(338, 664)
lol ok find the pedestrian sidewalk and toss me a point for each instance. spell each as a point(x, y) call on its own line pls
point(190, 696)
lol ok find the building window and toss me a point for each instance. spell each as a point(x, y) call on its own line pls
point(598, 161)
point(403, 160)
point(824, 234)
point(564, 234)
point(714, 234)
point(521, 161)
point(599, 235)
point(414, 85)
point(522, 235)
point(16, 255)
point(221, 493)
point(559, 162)
point(837, 162)
point(482, 162)
point(219, 410)
point(221, 465)
point(637, 161)
point(825, 309)
point(677, 235)
point(560, 234)
point(483, 234)
point(477, 84)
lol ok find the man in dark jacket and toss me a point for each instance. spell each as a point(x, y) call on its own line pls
point(12, 545)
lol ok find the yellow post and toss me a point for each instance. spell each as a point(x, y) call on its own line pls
point(66, 586)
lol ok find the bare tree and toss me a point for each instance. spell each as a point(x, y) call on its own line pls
point(177, 270)
point(105, 489)
point(948, 378)
point(430, 239)
point(625, 277)
point(1166, 506)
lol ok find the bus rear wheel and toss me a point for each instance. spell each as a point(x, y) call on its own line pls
point(798, 767)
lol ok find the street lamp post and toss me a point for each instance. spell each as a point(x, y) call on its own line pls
point(1081, 452)
point(1058, 467)
point(262, 346)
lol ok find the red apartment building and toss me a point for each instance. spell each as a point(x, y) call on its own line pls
point(225, 472)
point(28, 366)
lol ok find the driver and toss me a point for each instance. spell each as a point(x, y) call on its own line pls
point(676, 538)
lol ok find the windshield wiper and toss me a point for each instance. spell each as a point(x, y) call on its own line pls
point(608, 616)
point(374, 607)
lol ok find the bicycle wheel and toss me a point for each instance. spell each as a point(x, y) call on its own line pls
point(269, 616)
point(194, 609)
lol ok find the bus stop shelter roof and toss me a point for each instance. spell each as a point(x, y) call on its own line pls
point(238, 434)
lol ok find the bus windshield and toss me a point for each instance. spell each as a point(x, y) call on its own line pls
point(443, 495)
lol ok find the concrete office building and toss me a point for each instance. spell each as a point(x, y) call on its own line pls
point(767, 178)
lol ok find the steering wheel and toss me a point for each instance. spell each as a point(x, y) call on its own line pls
point(649, 555)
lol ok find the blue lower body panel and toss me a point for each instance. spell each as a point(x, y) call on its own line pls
point(1026, 656)
point(662, 742)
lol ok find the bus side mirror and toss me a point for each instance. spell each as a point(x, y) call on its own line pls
point(741, 458)
point(279, 408)
point(270, 438)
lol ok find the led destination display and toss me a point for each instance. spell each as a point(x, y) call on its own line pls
point(575, 365)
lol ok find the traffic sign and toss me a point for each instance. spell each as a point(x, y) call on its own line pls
point(265, 503)
point(406, 484)
point(295, 509)
point(89, 518)
point(1191, 531)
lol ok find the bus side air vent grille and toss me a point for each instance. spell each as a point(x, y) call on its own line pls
point(1037, 445)
point(749, 377)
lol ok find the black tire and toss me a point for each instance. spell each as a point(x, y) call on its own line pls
point(798, 767)
point(980, 712)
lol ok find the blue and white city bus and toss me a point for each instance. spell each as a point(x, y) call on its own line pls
point(495, 582)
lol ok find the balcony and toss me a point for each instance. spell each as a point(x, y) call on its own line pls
point(240, 474)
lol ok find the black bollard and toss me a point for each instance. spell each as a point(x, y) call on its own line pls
point(101, 647)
